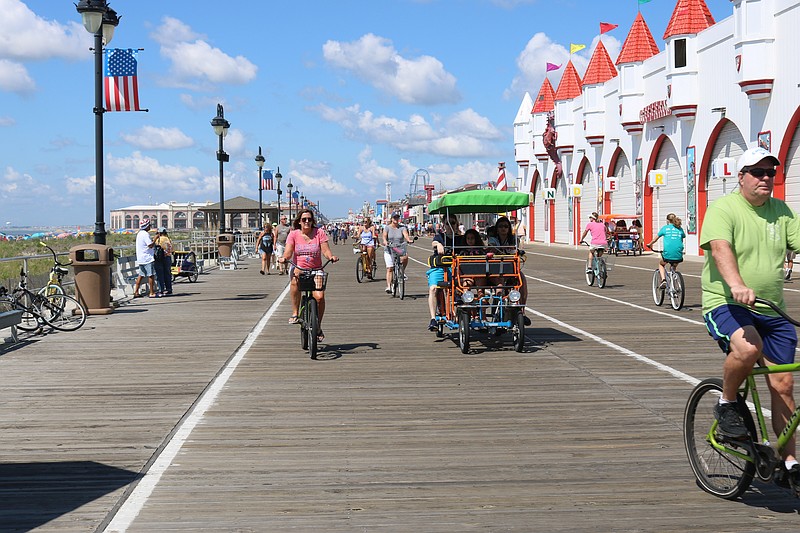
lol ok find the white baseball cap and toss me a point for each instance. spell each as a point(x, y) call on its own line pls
point(754, 156)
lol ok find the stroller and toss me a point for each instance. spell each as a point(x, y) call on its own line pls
point(184, 265)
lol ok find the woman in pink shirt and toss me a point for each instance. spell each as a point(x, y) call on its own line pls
point(599, 235)
point(306, 245)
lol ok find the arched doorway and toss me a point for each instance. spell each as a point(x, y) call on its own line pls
point(624, 199)
point(672, 197)
point(729, 143)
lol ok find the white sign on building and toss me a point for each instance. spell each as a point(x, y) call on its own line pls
point(610, 184)
point(657, 178)
point(549, 194)
point(724, 167)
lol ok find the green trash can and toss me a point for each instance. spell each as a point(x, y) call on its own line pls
point(92, 266)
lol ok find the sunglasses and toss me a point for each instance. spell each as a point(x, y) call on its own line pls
point(761, 172)
point(306, 220)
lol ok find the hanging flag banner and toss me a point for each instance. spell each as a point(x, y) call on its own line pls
point(121, 84)
point(576, 48)
point(643, 2)
point(266, 181)
point(606, 27)
point(551, 67)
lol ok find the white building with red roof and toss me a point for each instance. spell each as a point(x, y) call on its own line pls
point(713, 90)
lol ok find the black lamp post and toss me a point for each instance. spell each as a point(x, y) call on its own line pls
point(221, 126)
point(99, 20)
point(289, 186)
point(260, 162)
point(302, 201)
point(278, 178)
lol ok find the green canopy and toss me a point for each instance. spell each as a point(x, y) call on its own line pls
point(480, 201)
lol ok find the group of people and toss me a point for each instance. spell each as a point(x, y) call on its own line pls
point(271, 242)
point(154, 260)
point(500, 239)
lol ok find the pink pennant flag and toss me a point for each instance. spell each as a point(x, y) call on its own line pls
point(551, 67)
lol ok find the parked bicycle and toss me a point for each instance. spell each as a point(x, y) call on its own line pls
point(673, 286)
point(596, 269)
point(309, 281)
point(57, 272)
point(725, 466)
point(59, 311)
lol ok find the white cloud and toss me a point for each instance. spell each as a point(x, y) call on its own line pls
point(371, 173)
point(80, 186)
point(465, 134)
point(147, 172)
point(540, 50)
point(7, 122)
point(26, 36)
point(14, 78)
point(235, 142)
point(451, 176)
point(193, 59)
point(374, 60)
point(315, 177)
point(153, 138)
point(15, 185)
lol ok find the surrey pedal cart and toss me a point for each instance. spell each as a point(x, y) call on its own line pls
point(481, 291)
point(624, 238)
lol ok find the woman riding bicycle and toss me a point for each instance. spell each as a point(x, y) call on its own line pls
point(394, 236)
point(599, 234)
point(673, 244)
point(305, 246)
point(366, 241)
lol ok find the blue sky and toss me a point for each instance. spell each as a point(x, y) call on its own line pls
point(343, 95)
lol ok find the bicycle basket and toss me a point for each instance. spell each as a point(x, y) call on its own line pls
point(312, 281)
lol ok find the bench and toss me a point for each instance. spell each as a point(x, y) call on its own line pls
point(10, 319)
point(125, 274)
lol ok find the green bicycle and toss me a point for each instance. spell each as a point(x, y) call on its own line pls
point(596, 269)
point(308, 282)
point(724, 466)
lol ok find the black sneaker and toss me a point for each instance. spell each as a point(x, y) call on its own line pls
point(788, 479)
point(526, 320)
point(433, 326)
point(730, 421)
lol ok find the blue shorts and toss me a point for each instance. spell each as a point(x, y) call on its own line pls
point(435, 276)
point(778, 336)
point(148, 269)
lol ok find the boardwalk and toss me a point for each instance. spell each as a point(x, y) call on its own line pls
point(391, 430)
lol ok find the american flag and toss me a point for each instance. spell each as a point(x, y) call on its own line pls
point(121, 86)
point(266, 180)
point(501, 178)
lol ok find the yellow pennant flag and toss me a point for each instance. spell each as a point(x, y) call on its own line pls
point(576, 48)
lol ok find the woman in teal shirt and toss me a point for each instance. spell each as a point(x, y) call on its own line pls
point(673, 244)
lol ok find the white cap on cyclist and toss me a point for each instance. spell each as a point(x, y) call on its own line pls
point(593, 216)
point(754, 156)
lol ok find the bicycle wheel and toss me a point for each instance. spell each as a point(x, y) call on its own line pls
point(658, 292)
point(62, 312)
point(721, 474)
point(31, 320)
point(602, 273)
point(312, 330)
point(589, 273)
point(401, 283)
point(519, 331)
point(463, 331)
point(51, 288)
point(360, 268)
point(676, 294)
point(395, 282)
point(304, 323)
point(373, 270)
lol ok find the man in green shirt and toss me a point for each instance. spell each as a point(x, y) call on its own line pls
point(745, 236)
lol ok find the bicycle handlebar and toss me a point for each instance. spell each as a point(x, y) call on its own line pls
point(778, 310)
point(55, 257)
point(301, 269)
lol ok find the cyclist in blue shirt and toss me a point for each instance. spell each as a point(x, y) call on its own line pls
point(673, 244)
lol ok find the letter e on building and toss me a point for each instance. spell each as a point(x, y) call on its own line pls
point(610, 184)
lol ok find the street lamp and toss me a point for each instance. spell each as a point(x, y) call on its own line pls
point(221, 126)
point(278, 178)
point(302, 201)
point(99, 20)
point(260, 162)
point(289, 186)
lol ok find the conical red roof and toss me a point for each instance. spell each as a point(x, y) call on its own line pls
point(601, 68)
point(570, 85)
point(689, 17)
point(545, 100)
point(639, 44)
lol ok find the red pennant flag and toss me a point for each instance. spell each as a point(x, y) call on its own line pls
point(606, 27)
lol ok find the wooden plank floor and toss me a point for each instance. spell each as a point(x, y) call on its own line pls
point(391, 430)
